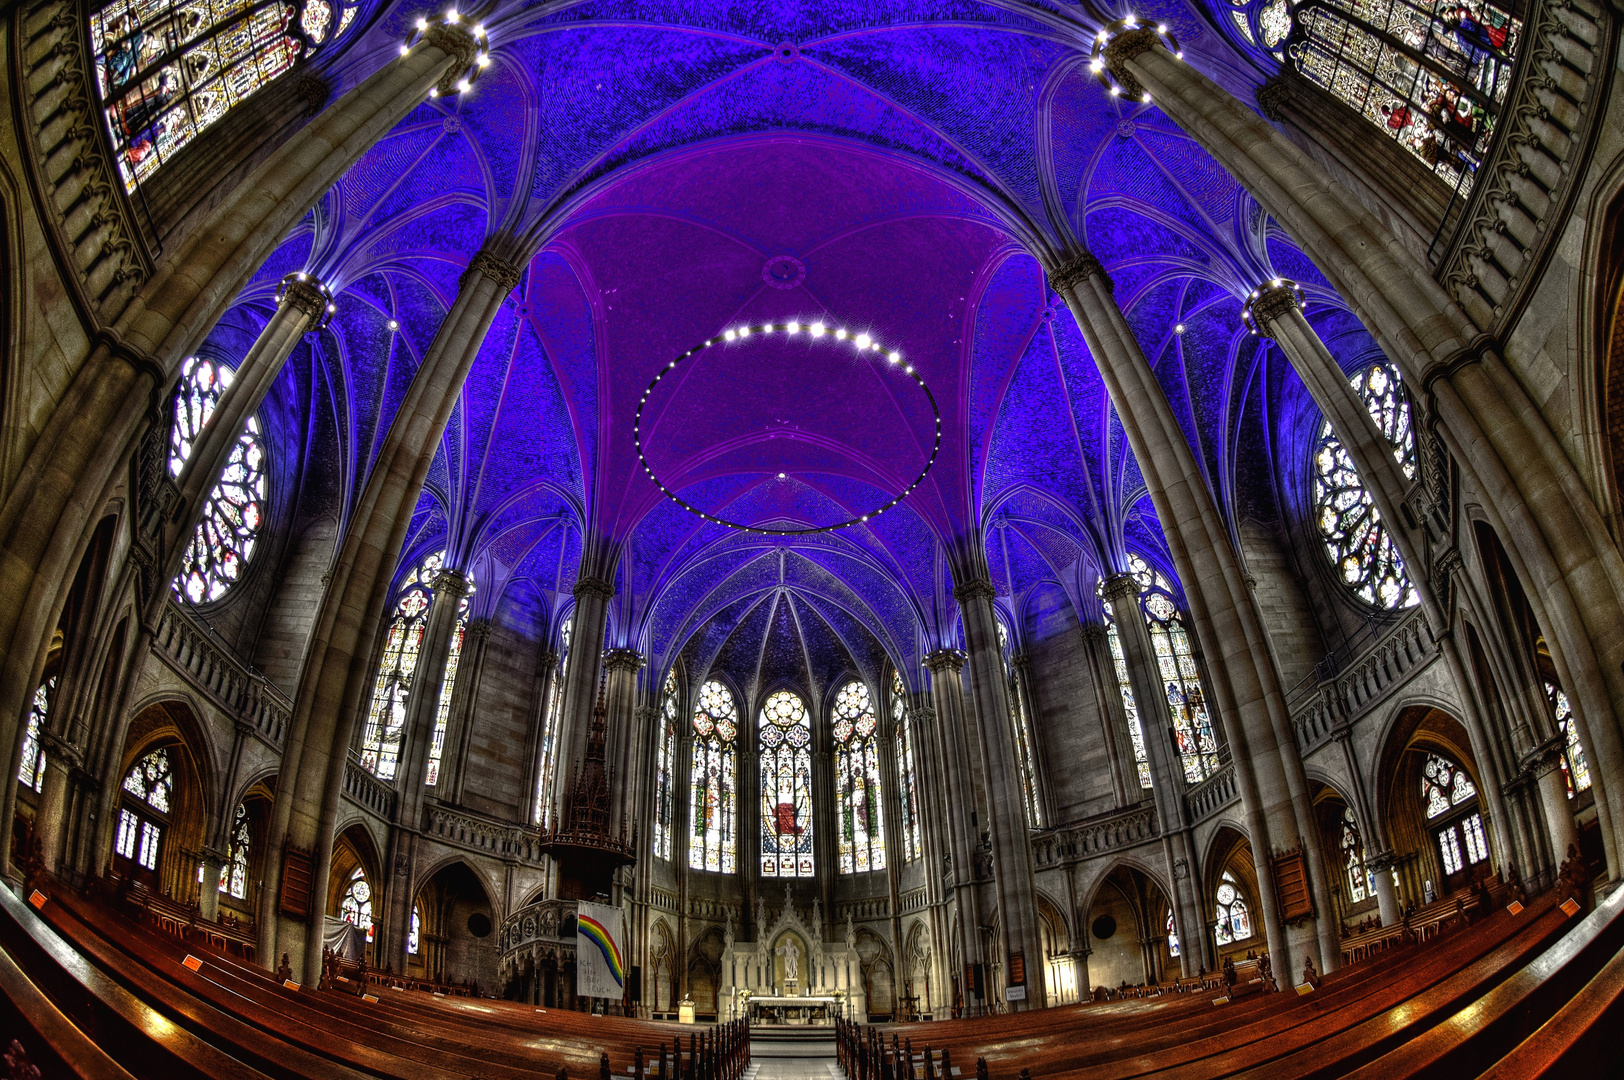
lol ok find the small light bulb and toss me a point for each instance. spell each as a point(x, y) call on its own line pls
point(1179, 329)
point(817, 329)
point(729, 335)
point(767, 329)
point(479, 30)
point(908, 369)
point(780, 476)
point(863, 340)
point(434, 91)
point(1161, 28)
point(483, 61)
point(894, 357)
point(841, 333)
point(794, 328)
point(462, 85)
point(1115, 90)
point(404, 49)
point(452, 16)
point(744, 331)
point(393, 325)
point(422, 23)
point(1146, 98)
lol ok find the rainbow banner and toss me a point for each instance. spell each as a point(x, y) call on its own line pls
point(600, 969)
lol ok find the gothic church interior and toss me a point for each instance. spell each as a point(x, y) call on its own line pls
point(1049, 537)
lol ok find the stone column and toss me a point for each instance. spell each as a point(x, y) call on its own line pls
point(1245, 686)
point(1022, 665)
point(944, 666)
point(1564, 553)
point(335, 681)
point(1545, 766)
point(1167, 781)
point(1011, 844)
point(1381, 866)
point(620, 700)
point(1113, 715)
point(45, 519)
point(302, 304)
point(592, 596)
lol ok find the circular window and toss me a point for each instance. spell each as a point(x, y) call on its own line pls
point(1104, 927)
point(479, 924)
point(1355, 536)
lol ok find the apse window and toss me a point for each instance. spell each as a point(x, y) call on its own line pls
point(397, 668)
point(234, 511)
point(1355, 536)
point(713, 798)
point(784, 735)
point(356, 904)
point(31, 773)
point(166, 70)
point(857, 782)
point(147, 795)
point(1234, 919)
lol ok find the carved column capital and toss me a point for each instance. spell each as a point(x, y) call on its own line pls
point(949, 660)
point(1543, 759)
point(1124, 47)
point(1065, 278)
point(922, 714)
point(459, 44)
point(451, 583)
point(974, 589)
point(622, 659)
point(494, 267)
point(1094, 633)
point(546, 660)
point(1269, 302)
point(1120, 587)
point(479, 629)
point(304, 293)
point(591, 586)
point(1273, 95)
point(1022, 662)
point(313, 93)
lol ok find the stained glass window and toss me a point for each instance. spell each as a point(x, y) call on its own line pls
point(167, 69)
point(149, 788)
point(31, 775)
point(386, 720)
point(442, 709)
point(549, 730)
point(858, 799)
point(1352, 847)
point(784, 738)
point(1575, 772)
point(1355, 536)
point(1172, 936)
point(1444, 785)
point(234, 872)
point(1234, 920)
point(414, 936)
point(355, 906)
point(902, 723)
point(234, 510)
point(665, 767)
point(1175, 660)
point(1432, 76)
point(1125, 685)
point(1025, 752)
point(713, 796)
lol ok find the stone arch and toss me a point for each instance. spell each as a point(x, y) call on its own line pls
point(354, 849)
point(660, 987)
point(1329, 805)
point(1229, 851)
point(1416, 731)
point(487, 883)
point(704, 974)
point(256, 797)
point(1123, 923)
point(1599, 382)
point(170, 726)
point(917, 981)
point(879, 975)
point(1055, 930)
point(457, 940)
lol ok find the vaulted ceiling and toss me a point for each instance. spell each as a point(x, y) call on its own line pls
point(680, 169)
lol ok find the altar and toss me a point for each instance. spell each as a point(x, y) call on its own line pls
point(820, 1009)
point(789, 974)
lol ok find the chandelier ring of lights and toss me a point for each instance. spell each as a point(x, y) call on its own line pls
point(863, 343)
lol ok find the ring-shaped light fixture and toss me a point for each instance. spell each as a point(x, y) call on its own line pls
point(481, 60)
point(817, 332)
point(1096, 59)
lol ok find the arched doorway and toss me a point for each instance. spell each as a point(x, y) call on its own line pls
point(1230, 901)
point(1436, 820)
point(162, 803)
point(1126, 925)
point(451, 939)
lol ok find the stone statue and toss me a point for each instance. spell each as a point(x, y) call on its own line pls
point(792, 959)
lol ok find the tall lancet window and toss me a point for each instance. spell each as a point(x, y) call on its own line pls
point(1355, 536)
point(902, 724)
point(442, 709)
point(1574, 769)
point(549, 731)
point(1021, 729)
point(31, 774)
point(1175, 659)
point(226, 535)
point(386, 720)
point(857, 782)
point(1125, 685)
point(784, 739)
point(665, 761)
point(167, 69)
point(713, 798)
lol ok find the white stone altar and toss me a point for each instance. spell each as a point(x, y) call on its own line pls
point(789, 966)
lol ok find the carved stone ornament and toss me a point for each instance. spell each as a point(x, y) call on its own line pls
point(974, 589)
point(1065, 279)
point(303, 294)
point(622, 659)
point(950, 660)
point(591, 586)
point(459, 44)
point(497, 269)
point(448, 582)
point(312, 93)
point(1124, 47)
point(1273, 95)
point(1270, 302)
point(1119, 588)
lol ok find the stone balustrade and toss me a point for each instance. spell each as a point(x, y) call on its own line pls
point(367, 791)
point(1111, 831)
point(1384, 666)
point(1212, 794)
point(485, 835)
point(1524, 187)
point(82, 192)
point(913, 900)
point(872, 907)
point(191, 651)
point(541, 930)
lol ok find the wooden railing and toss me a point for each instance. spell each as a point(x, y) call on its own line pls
point(188, 647)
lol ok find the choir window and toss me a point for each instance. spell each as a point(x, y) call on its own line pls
point(1175, 659)
point(1575, 772)
point(143, 818)
point(857, 782)
point(31, 774)
point(713, 802)
point(397, 669)
point(355, 906)
point(784, 741)
point(234, 871)
point(902, 722)
point(665, 767)
point(442, 709)
point(549, 730)
point(234, 511)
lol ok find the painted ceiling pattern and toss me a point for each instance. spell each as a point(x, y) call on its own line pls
point(679, 169)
